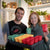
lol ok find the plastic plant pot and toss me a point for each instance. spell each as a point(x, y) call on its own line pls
point(44, 27)
point(36, 39)
point(24, 41)
point(31, 42)
point(27, 41)
point(26, 49)
point(32, 39)
point(28, 30)
point(39, 38)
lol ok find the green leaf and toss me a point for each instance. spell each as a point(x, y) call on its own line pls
point(29, 3)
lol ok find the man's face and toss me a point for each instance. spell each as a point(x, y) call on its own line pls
point(19, 14)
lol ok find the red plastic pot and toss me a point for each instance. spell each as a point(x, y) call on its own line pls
point(27, 41)
point(39, 38)
point(47, 17)
point(36, 39)
point(32, 39)
point(44, 27)
point(24, 41)
point(36, 36)
point(31, 42)
point(29, 37)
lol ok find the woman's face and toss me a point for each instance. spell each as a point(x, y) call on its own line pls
point(34, 19)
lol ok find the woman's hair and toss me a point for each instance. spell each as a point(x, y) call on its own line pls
point(29, 22)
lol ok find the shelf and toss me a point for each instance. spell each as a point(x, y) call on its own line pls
point(39, 6)
point(48, 27)
point(46, 21)
point(8, 9)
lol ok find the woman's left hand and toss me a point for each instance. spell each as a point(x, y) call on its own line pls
point(46, 38)
point(46, 33)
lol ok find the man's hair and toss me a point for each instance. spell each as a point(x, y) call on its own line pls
point(19, 8)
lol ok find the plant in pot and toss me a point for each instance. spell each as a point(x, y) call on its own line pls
point(42, 16)
point(29, 2)
point(3, 4)
point(39, 13)
point(47, 17)
point(31, 11)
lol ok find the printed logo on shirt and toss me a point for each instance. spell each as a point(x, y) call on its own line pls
point(16, 29)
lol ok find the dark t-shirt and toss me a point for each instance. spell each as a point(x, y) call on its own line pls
point(16, 28)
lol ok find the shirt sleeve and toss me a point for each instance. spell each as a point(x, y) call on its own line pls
point(6, 29)
point(1, 36)
point(25, 29)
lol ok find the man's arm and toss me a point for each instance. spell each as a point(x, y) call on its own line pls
point(1, 36)
point(5, 31)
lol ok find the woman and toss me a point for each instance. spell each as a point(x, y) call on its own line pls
point(36, 28)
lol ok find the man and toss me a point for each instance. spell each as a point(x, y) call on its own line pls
point(15, 27)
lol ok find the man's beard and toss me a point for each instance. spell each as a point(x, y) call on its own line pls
point(18, 19)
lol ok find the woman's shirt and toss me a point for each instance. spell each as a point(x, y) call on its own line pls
point(37, 30)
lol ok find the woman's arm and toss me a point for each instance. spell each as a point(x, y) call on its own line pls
point(45, 36)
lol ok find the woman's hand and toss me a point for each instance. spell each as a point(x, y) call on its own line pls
point(45, 36)
point(46, 33)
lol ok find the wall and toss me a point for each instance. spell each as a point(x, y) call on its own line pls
point(27, 11)
point(10, 1)
point(25, 6)
point(7, 1)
